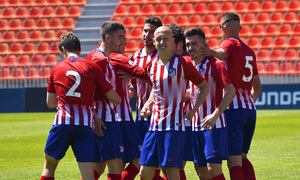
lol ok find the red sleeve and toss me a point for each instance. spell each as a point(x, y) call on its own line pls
point(51, 88)
point(98, 58)
point(191, 73)
point(101, 80)
point(228, 45)
point(220, 75)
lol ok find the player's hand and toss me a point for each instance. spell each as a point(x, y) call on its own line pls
point(209, 122)
point(145, 112)
point(98, 125)
point(190, 114)
point(125, 75)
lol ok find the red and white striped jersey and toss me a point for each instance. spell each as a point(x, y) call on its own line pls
point(187, 105)
point(143, 89)
point(74, 81)
point(241, 67)
point(169, 83)
point(216, 76)
point(120, 62)
point(104, 108)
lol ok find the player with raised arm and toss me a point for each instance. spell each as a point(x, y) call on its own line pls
point(240, 61)
point(169, 74)
point(71, 90)
point(210, 143)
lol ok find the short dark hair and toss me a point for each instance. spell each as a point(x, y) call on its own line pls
point(70, 42)
point(195, 31)
point(231, 14)
point(178, 34)
point(110, 27)
point(153, 20)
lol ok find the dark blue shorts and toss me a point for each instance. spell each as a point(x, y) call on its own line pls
point(188, 145)
point(143, 127)
point(132, 141)
point(110, 146)
point(210, 146)
point(80, 138)
point(163, 148)
point(241, 125)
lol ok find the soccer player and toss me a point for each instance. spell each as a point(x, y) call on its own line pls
point(240, 61)
point(71, 90)
point(210, 144)
point(169, 74)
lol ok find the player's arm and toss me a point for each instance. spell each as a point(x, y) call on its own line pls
point(210, 120)
point(113, 96)
point(187, 95)
point(98, 124)
point(51, 100)
point(218, 53)
point(204, 88)
point(145, 112)
point(256, 87)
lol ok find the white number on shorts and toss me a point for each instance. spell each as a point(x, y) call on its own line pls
point(72, 92)
point(247, 79)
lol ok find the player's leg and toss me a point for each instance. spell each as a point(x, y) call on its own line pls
point(99, 169)
point(50, 165)
point(171, 172)
point(87, 170)
point(215, 170)
point(202, 171)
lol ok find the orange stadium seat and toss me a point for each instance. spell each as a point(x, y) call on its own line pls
point(285, 68)
point(42, 48)
point(74, 11)
point(216, 32)
point(60, 32)
point(248, 18)
point(131, 46)
point(296, 68)
point(16, 48)
point(41, 3)
point(267, 6)
point(23, 60)
point(214, 7)
point(53, 48)
point(21, 12)
point(50, 60)
point(276, 55)
point(48, 12)
point(160, 9)
point(29, 24)
point(262, 55)
point(281, 6)
point(267, 42)
point(285, 29)
point(294, 42)
point(3, 3)
point(119, 19)
point(53, 2)
point(281, 42)
point(272, 68)
point(37, 60)
point(35, 12)
point(22, 36)
point(42, 24)
point(194, 20)
point(147, 9)
point(8, 13)
point(79, 2)
point(55, 23)
point(18, 74)
point(5, 74)
point(3, 24)
point(4, 49)
point(240, 7)
point(134, 10)
point(276, 17)
point(168, 19)
point(187, 8)
point(44, 72)
point(213, 43)
point(182, 20)
point(35, 36)
point(227, 6)
point(66, 2)
point(14, 3)
point(8, 36)
point(206, 31)
point(61, 11)
point(258, 30)
point(209, 19)
point(49, 35)
point(27, 3)
point(294, 5)
point(253, 42)
point(68, 23)
point(261, 68)
point(263, 18)
point(140, 21)
point(126, 1)
point(31, 73)
point(253, 6)
point(271, 30)
point(290, 54)
point(121, 10)
point(200, 8)
point(136, 33)
point(129, 21)
point(15, 24)
point(296, 29)
point(10, 61)
point(245, 31)
point(290, 17)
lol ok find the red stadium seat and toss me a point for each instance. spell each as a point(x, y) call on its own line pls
point(66, 2)
point(285, 68)
point(126, 1)
point(294, 5)
point(227, 6)
point(272, 30)
point(53, 2)
point(3, 3)
point(41, 3)
point(140, 21)
point(14, 3)
point(261, 68)
point(42, 48)
point(134, 10)
point(50, 60)
point(272, 68)
point(35, 36)
point(281, 6)
point(79, 2)
point(49, 35)
point(276, 17)
point(23, 60)
point(21, 12)
point(4, 49)
point(60, 32)
point(296, 68)
point(281, 42)
point(53, 48)
point(3, 24)
point(254, 6)
point(209, 19)
point(8, 13)
point(290, 17)
point(249, 18)
point(276, 55)
point(213, 43)
point(61, 11)
point(241, 7)
point(44, 72)
point(263, 18)
point(187, 8)
point(48, 12)
point(131, 46)
point(121, 10)
point(258, 30)
point(10, 61)
point(35, 12)
point(8, 36)
point(28, 48)
point(29, 24)
point(55, 23)
point(294, 42)
point(182, 20)
point(129, 21)
point(285, 29)
point(253, 42)
point(194, 20)
point(74, 11)
point(262, 55)
point(245, 31)
point(31, 73)
point(22, 36)
point(267, 6)
point(160, 9)
point(119, 19)
point(68, 23)
point(16, 48)
point(216, 32)
point(296, 29)
point(214, 7)
point(206, 31)
point(5, 74)
point(136, 33)
point(18, 74)
point(27, 3)
point(267, 42)
point(290, 55)
point(15, 24)
point(168, 19)
point(147, 9)
point(37, 60)
point(42, 24)
point(200, 8)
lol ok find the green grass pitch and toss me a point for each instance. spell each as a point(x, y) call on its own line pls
point(275, 150)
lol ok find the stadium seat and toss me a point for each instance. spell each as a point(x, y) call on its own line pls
point(168, 19)
point(44, 72)
point(281, 42)
point(227, 6)
point(285, 29)
point(129, 21)
point(294, 42)
point(119, 19)
point(8, 36)
point(140, 21)
point(126, 1)
point(281, 6)
point(131, 46)
point(37, 60)
point(213, 43)
point(22, 36)
point(215, 32)
point(42, 24)
point(136, 33)
point(66, 2)
point(200, 8)
point(68, 23)
point(14, 3)
point(261, 68)
point(296, 29)
point(134, 10)
point(53, 3)
point(263, 18)
point(296, 68)
point(271, 68)
point(23, 60)
point(294, 5)
point(182, 20)
point(3, 3)
point(21, 12)
point(253, 42)
point(258, 30)
point(160, 9)
point(290, 17)
point(48, 12)
point(5, 74)
point(187, 8)
point(61, 12)
point(276, 55)
point(35, 12)
point(16, 48)
point(4, 49)
point(15, 24)
point(214, 7)
point(290, 55)
point(31, 73)
point(254, 6)
point(49, 35)
point(141, 44)
point(10, 61)
point(271, 30)
point(3, 24)
point(41, 3)
point(50, 60)
point(209, 19)
point(267, 6)
point(60, 32)
point(267, 42)
point(53, 48)
point(74, 11)
point(121, 10)
point(276, 17)
point(240, 7)
point(18, 74)
point(262, 55)
point(195, 20)
point(147, 9)
point(55, 23)
point(35, 36)
point(285, 68)
point(27, 3)
point(42, 48)
point(28, 24)
point(8, 13)
point(79, 2)
point(248, 18)
point(245, 31)
point(206, 31)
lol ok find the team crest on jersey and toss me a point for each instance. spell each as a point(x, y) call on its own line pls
point(121, 149)
point(172, 72)
point(201, 70)
point(132, 63)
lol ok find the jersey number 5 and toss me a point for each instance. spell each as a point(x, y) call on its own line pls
point(72, 92)
point(248, 65)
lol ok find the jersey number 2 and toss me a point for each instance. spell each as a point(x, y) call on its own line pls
point(72, 92)
point(248, 65)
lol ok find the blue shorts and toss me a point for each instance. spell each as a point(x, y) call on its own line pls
point(80, 138)
point(163, 148)
point(110, 146)
point(143, 127)
point(188, 145)
point(241, 125)
point(210, 146)
point(132, 141)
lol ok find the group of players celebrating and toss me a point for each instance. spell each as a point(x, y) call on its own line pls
point(194, 104)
